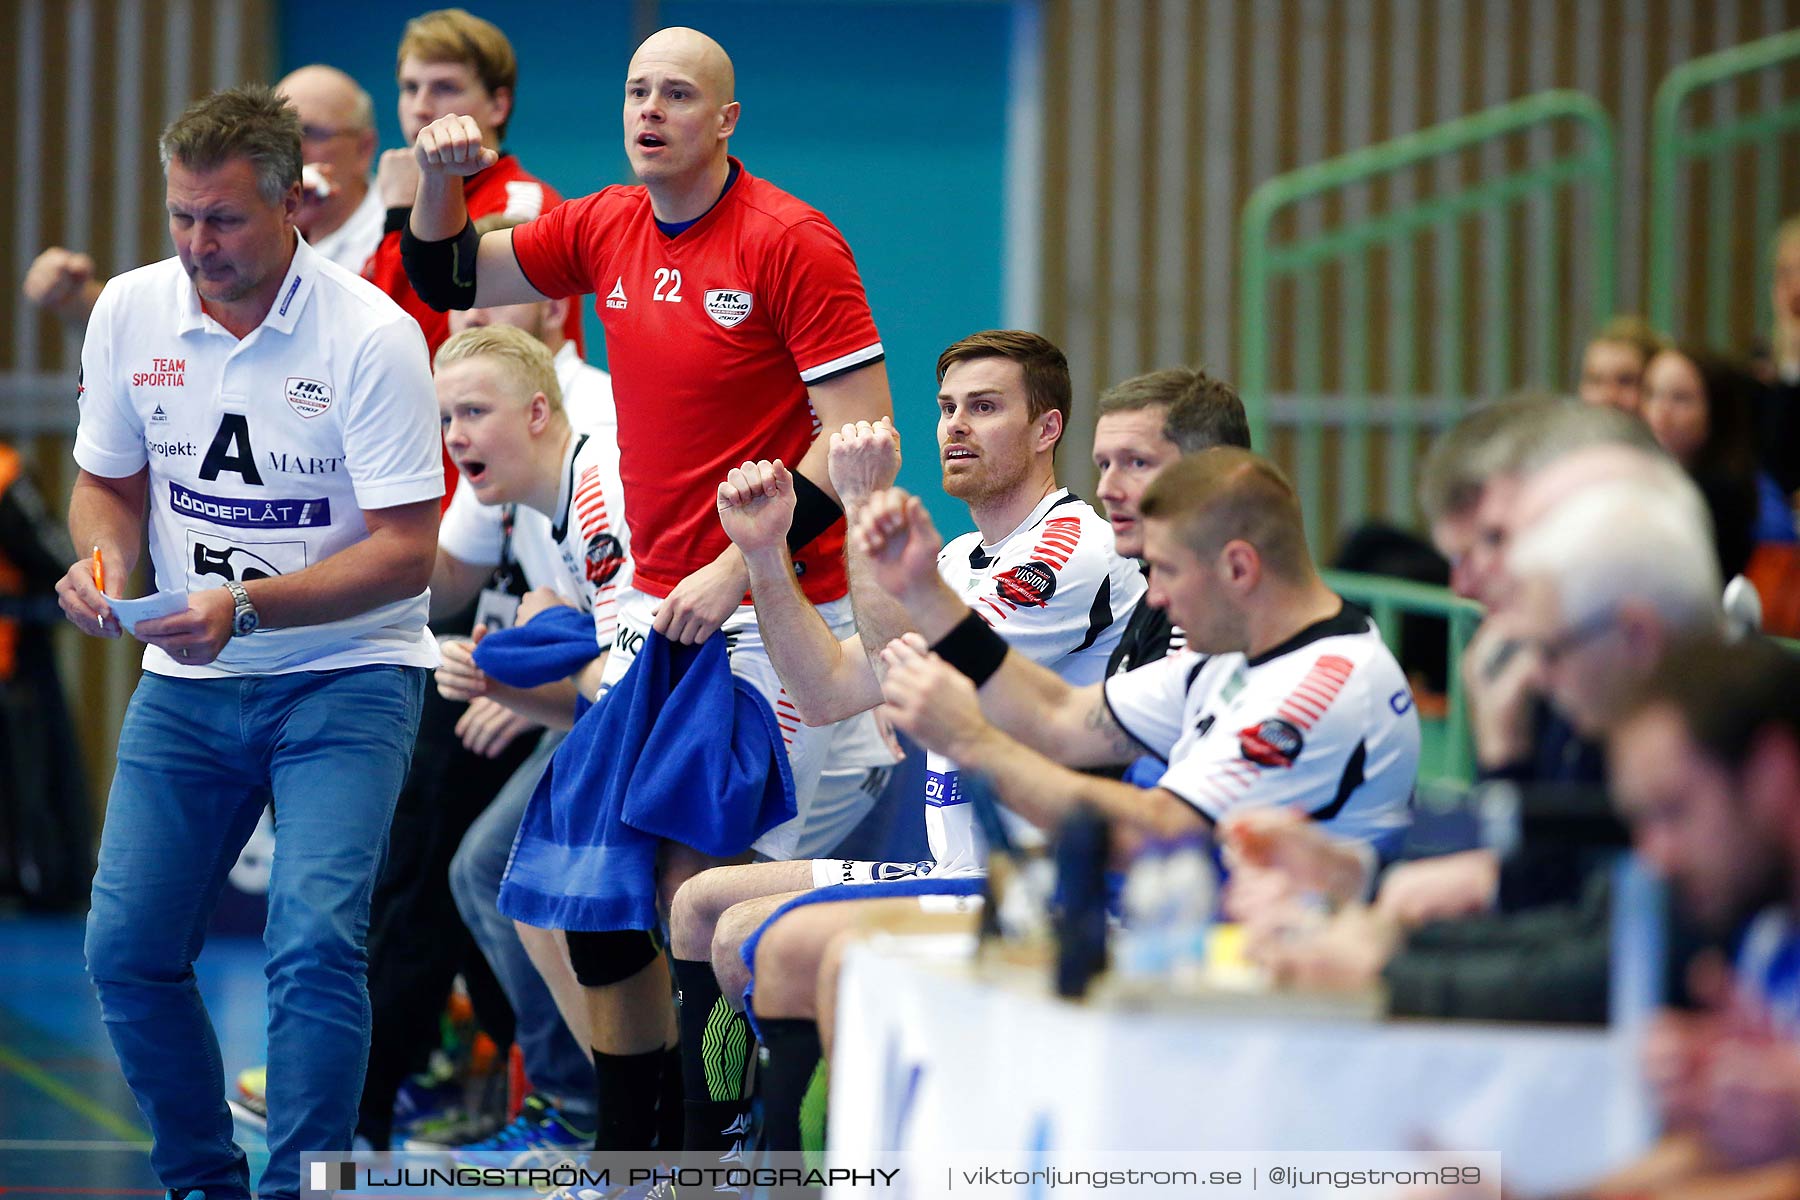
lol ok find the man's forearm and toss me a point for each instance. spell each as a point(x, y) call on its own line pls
point(386, 566)
point(551, 704)
point(106, 517)
point(879, 617)
point(455, 584)
point(933, 608)
point(439, 210)
point(1045, 792)
point(824, 682)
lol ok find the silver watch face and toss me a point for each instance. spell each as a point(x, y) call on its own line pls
point(243, 618)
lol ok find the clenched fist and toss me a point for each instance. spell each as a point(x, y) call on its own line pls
point(61, 282)
point(452, 146)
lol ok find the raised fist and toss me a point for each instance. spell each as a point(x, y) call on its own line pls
point(62, 283)
point(865, 459)
point(452, 146)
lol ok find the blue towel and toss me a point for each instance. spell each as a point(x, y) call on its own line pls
point(679, 749)
point(553, 645)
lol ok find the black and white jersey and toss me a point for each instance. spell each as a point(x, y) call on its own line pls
point(1323, 723)
point(1058, 594)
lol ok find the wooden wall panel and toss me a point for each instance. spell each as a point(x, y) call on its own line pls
point(93, 85)
point(1159, 108)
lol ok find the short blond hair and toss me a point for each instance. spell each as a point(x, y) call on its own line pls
point(1628, 329)
point(455, 35)
point(521, 357)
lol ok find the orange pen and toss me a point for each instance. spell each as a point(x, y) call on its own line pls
point(99, 571)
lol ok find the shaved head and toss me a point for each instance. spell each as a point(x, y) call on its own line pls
point(325, 96)
point(689, 52)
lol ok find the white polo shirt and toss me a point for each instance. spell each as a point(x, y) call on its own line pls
point(265, 452)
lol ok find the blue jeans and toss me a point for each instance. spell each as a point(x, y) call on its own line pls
point(555, 1062)
point(197, 760)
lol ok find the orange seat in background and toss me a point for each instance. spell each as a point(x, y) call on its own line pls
point(1775, 570)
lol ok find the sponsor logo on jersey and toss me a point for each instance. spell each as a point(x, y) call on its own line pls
point(1029, 585)
point(157, 414)
point(303, 464)
point(728, 307)
point(163, 372)
point(616, 297)
point(172, 449)
point(1273, 743)
point(1400, 701)
point(602, 558)
point(884, 872)
point(249, 514)
point(629, 641)
point(941, 790)
point(224, 560)
point(308, 397)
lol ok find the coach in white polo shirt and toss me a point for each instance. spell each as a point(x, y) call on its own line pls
point(273, 416)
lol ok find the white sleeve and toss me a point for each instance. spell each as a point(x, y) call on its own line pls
point(472, 531)
point(1280, 749)
point(392, 443)
point(1148, 702)
point(1045, 607)
point(109, 441)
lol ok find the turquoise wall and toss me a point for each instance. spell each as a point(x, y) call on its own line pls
point(889, 117)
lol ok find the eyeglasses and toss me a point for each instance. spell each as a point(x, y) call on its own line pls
point(323, 133)
point(1559, 646)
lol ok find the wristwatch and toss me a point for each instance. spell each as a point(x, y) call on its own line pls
point(243, 618)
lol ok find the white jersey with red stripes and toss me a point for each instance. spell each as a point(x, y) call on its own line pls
point(1323, 723)
point(1058, 594)
point(581, 550)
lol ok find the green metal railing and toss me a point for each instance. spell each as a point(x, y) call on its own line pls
point(1672, 148)
point(1388, 599)
point(1397, 233)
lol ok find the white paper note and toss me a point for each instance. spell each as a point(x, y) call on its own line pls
point(146, 608)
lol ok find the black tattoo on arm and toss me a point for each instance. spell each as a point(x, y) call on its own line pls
point(1101, 720)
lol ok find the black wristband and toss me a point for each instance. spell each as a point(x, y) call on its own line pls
point(397, 219)
point(972, 648)
point(814, 512)
point(442, 273)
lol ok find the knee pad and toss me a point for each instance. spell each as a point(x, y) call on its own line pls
point(616, 955)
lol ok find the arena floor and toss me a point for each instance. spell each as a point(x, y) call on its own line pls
point(68, 1126)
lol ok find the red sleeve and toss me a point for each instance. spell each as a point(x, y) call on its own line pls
point(560, 251)
point(819, 305)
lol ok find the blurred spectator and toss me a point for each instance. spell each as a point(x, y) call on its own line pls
point(46, 856)
point(1701, 408)
point(1612, 365)
point(340, 215)
point(1604, 582)
point(1778, 415)
point(1707, 763)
